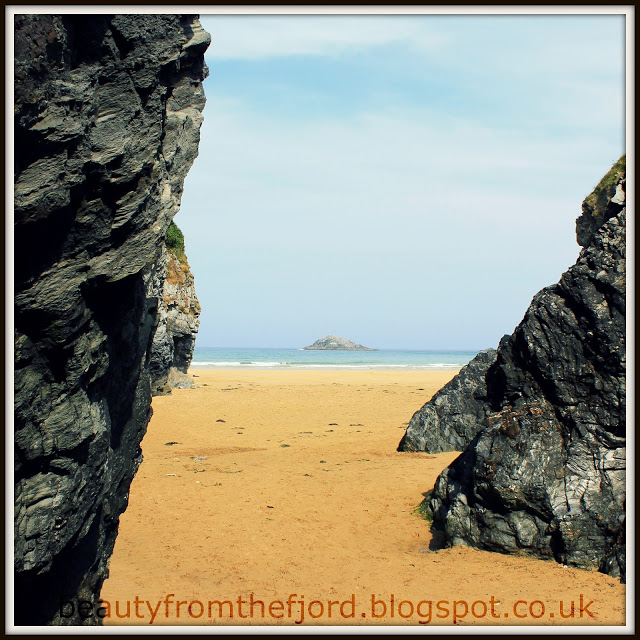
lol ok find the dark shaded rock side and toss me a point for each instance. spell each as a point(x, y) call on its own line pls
point(107, 119)
point(451, 419)
point(545, 475)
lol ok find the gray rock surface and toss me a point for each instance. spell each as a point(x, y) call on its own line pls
point(178, 321)
point(334, 343)
point(545, 475)
point(451, 419)
point(107, 119)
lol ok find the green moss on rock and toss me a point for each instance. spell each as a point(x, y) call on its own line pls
point(175, 241)
point(597, 200)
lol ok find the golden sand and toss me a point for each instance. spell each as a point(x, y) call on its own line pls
point(285, 486)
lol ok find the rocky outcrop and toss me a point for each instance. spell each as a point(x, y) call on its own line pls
point(107, 118)
point(450, 420)
point(608, 196)
point(178, 320)
point(334, 343)
point(545, 473)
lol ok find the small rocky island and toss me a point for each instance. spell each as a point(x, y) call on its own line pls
point(333, 343)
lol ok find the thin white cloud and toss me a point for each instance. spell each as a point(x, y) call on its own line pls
point(405, 206)
point(392, 176)
point(257, 37)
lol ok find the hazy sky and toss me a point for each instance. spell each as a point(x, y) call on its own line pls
point(402, 181)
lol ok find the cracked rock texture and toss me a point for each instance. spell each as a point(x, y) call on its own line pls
point(178, 321)
point(450, 420)
point(107, 119)
point(545, 471)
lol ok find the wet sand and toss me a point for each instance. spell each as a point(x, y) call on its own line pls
point(284, 486)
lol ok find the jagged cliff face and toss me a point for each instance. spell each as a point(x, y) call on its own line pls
point(178, 321)
point(107, 118)
point(544, 469)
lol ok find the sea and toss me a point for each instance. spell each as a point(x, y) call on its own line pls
point(227, 358)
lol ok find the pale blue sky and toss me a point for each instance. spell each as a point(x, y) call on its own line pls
point(403, 181)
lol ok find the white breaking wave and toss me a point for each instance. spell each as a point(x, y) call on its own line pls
point(237, 364)
point(300, 365)
point(375, 366)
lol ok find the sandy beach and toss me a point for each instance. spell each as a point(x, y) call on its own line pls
point(278, 496)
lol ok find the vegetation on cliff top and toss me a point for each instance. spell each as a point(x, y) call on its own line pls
point(178, 270)
point(604, 191)
point(175, 240)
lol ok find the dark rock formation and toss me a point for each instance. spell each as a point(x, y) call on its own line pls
point(545, 473)
point(333, 343)
point(450, 420)
point(107, 118)
point(178, 320)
